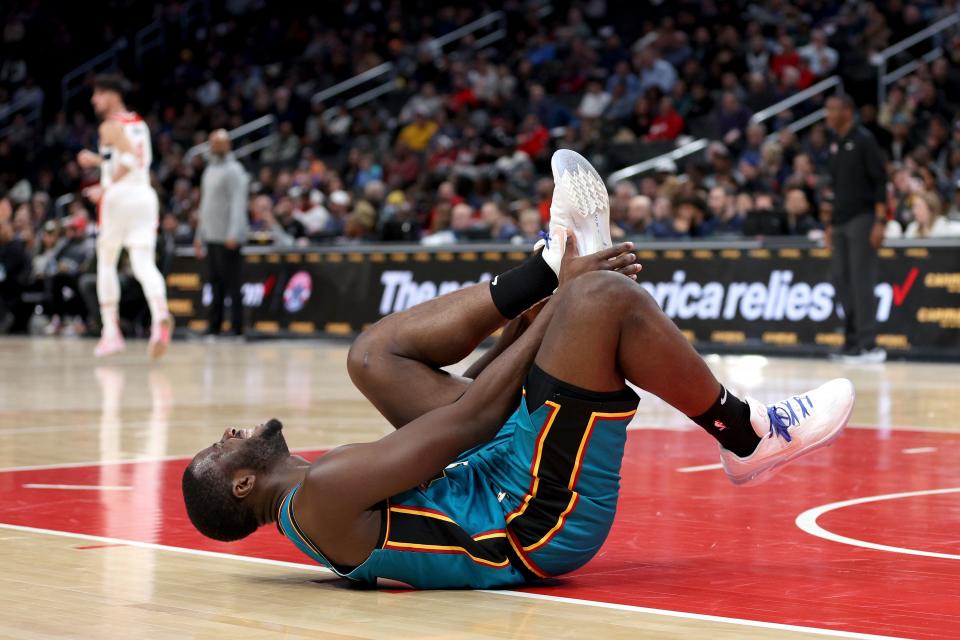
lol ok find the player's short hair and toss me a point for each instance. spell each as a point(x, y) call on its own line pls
point(111, 82)
point(211, 505)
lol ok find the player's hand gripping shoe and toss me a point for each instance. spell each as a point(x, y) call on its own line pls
point(791, 428)
point(580, 202)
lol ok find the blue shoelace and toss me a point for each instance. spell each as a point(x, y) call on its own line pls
point(778, 427)
point(546, 238)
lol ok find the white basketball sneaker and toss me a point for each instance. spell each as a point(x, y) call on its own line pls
point(554, 246)
point(109, 345)
point(791, 428)
point(580, 201)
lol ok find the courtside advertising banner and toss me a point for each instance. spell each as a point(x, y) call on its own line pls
point(742, 300)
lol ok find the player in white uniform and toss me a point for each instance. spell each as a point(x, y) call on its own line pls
point(129, 212)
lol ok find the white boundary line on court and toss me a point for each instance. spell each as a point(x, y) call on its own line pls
point(807, 522)
point(606, 605)
point(916, 450)
point(702, 467)
point(162, 547)
point(516, 594)
point(79, 487)
point(696, 616)
point(98, 463)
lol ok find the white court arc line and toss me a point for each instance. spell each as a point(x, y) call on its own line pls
point(916, 450)
point(144, 459)
point(807, 522)
point(702, 467)
point(79, 487)
point(517, 594)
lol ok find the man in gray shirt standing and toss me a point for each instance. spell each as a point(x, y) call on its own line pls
point(222, 228)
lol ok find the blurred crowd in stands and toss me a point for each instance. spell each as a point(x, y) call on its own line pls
point(459, 150)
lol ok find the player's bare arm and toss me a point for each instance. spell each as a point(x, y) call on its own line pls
point(113, 135)
point(361, 476)
point(342, 487)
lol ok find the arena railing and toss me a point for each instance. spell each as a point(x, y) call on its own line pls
point(386, 75)
point(885, 78)
point(264, 125)
point(74, 81)
point(880, 60)
point(696, 146)
point(31, 111)
point(148, 38)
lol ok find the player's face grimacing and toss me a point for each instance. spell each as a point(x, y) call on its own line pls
point(258, 449)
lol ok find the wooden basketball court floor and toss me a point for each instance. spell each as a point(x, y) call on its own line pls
point(860, 540)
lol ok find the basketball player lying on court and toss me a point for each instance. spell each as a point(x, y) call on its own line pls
point(480, 486)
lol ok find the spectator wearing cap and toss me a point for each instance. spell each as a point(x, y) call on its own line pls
point(361, 222)
point(339, 207)
point(399, 222)
point(222, 230)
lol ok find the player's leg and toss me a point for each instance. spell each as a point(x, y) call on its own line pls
point(232, 282)
point(606, 328)
point(215, 276)
point(397, 362)
point(141, 243)
point(109, 245)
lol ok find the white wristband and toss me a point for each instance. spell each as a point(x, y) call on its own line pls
point(128, 160)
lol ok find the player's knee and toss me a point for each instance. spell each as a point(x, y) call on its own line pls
point(606, 286)
point(609, 292)
point(358, 359)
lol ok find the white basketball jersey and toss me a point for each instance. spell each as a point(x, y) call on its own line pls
point(138, 133)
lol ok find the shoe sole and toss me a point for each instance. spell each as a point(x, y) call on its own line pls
point(109, 353)
point(870, 359)
point(765, 473)
point(588, 194)
point(158, 349)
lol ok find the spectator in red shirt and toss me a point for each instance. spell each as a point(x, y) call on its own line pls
point(668, 124)
point(789, 57)
point(533, 137)
point(462, 96)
